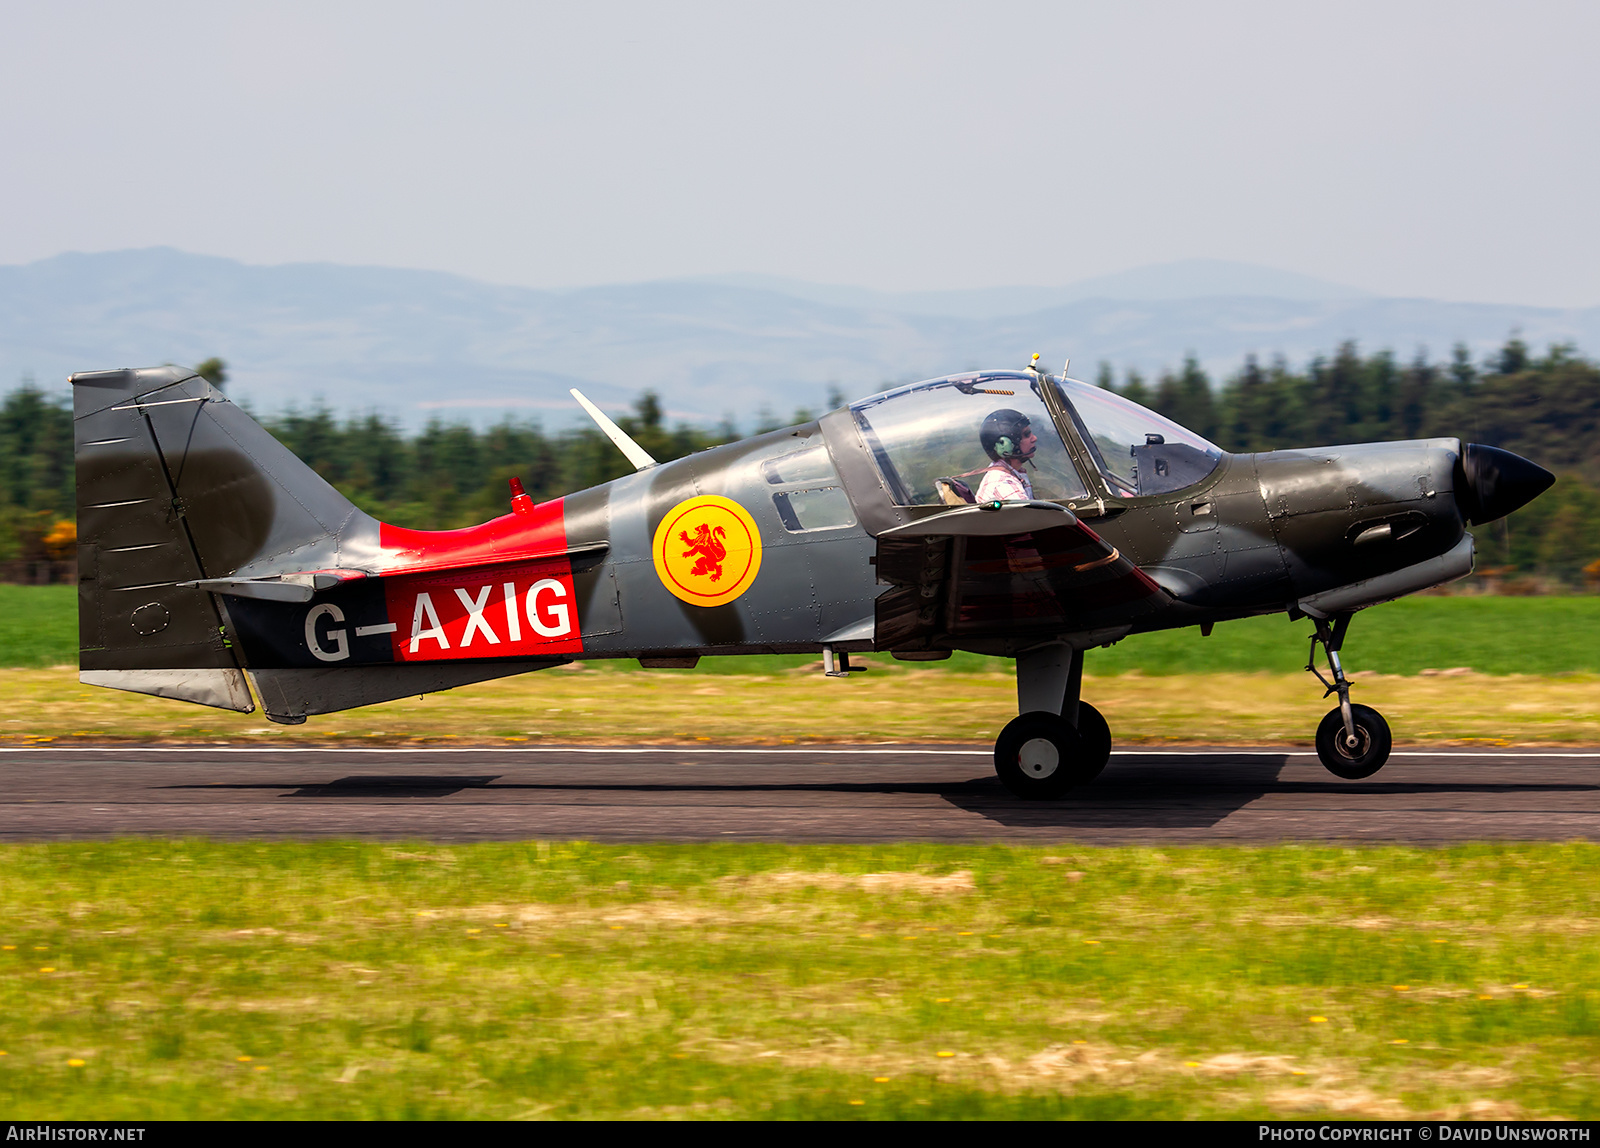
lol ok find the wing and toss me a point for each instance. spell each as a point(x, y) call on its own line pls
point(1017, 572)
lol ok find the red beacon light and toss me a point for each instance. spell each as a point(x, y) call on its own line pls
point(521, 503)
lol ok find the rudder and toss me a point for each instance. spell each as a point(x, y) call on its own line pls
point(177, 486)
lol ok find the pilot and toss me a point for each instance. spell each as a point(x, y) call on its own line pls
point(1010, 442)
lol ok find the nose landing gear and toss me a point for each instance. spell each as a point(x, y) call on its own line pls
point(1353, 741)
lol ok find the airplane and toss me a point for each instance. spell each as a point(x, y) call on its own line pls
point(1011, 513)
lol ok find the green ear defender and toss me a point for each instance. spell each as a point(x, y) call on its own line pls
point(1003, 446)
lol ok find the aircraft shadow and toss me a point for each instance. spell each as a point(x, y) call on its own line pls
point(1202, 792)
point(405, 785)
point(1198, 793)
point(441, 786)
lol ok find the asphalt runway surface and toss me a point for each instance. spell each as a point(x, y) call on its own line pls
point(822, 793)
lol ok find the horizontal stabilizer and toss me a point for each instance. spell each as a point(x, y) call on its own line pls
point(222, 688)
point(279, 588)
point(290, 695)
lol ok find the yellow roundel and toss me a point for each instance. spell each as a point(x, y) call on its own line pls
point(707, 550)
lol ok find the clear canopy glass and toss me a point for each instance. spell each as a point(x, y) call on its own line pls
point(926, 437)
point(1138, 451)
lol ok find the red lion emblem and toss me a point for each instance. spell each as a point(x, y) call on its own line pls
point(707, 542)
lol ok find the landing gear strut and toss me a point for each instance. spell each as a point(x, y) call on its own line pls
point(1058, 741)
point(1353, 741)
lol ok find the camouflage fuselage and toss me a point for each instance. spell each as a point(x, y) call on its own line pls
point(208, 548)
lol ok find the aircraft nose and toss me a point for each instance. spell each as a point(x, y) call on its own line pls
point(1494, 482)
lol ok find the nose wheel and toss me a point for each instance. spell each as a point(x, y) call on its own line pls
point(1353, 741)
point(1371, 743)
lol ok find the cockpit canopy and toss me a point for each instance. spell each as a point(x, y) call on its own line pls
point(1136, 450)
point(937, 442)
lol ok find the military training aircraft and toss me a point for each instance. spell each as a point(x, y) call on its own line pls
point(1012, 513)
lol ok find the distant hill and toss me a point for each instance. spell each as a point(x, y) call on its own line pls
point(416, 344)
point(1186, 279)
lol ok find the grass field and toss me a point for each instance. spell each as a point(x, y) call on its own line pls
point(1497, 670)
point(187, 979)
point(148, 980)
point(38, 627)
point(567, 706)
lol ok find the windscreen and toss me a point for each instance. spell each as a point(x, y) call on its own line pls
point(937, 442)
point(1137, 450)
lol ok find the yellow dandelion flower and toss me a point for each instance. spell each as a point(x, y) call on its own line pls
point(1402, 1040)
point(261, 1067)
point(858, 1102)
point(1520, 986)
point(40, 948)
point(941, 1000)
point(244, 1059)
point(616, 926)
point(866, 936)
point(1080, 1042)
point(473, 932)
point(1319, 1020)
point(880, 1080)
point(1091, 942)
point(1485, 997)
point(1402, 988)
point(501, 925)
point(76, 1063)
point(48, 969)
point(1298, 1072)
point(967, 933)
point(8, 948)
point(944, 1053)
point(1191, 1064)
point(1441, 941)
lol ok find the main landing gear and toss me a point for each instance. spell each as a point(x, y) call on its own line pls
point(1353, 741)
point(1058, 741)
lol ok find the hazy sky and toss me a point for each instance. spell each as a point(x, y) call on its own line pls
point(1433, 149)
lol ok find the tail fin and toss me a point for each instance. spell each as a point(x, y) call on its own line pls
point(202, 541)
point(177, 486)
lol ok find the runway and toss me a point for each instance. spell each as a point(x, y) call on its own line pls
point(795, 794)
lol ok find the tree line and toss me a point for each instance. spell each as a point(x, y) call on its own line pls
point(1543, 406)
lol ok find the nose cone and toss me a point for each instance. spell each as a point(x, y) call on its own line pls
point(1494, 482)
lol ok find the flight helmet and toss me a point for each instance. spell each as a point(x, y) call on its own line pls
point(1002, 433)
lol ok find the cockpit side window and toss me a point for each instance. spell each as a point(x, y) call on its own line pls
point(968, 438)
point(1137, 451)
point(813, 500)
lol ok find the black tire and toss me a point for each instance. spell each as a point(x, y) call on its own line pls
point(1095, 734)
point(1369, 756)
point(1039, 756)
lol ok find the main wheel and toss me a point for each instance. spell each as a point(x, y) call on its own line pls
point(1096, 737)
point(1371, 750)
point(1040, 755)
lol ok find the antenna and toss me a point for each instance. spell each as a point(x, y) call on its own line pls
point(1064, 367)
point(635, 453)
